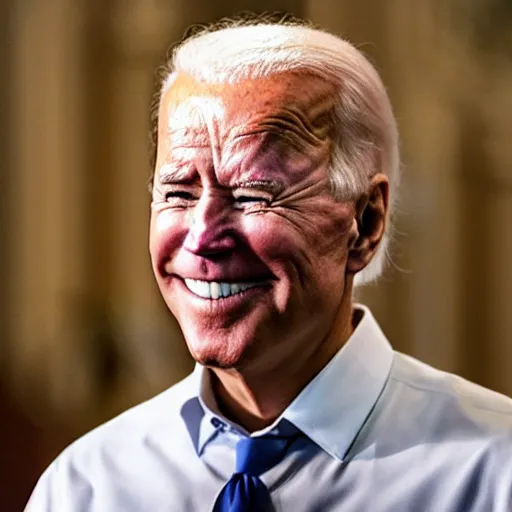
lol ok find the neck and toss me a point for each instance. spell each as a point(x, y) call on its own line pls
point(254, 400)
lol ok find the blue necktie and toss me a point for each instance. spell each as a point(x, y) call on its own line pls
point(244, 491)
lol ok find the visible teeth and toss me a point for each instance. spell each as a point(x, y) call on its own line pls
point(216, 290)
point(201, 288)
point(246, 286)
point(225, 289)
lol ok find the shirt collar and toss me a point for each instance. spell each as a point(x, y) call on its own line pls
point(333, 407)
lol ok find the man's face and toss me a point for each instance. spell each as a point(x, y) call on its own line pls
point(248, 246)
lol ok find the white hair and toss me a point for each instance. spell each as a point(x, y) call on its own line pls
point(367, 136)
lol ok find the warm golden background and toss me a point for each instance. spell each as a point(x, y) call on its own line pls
point(83, 331)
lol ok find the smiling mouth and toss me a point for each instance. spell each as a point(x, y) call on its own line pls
point(216, 290)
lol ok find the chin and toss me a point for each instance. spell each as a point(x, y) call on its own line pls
point(214, 356)
point(226, 350)
point(223, 340)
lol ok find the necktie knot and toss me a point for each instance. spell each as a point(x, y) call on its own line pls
point(255, 455)
point(245, 492)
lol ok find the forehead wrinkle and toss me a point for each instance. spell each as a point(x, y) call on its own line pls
point(289, 125)
point(310, 118)
point(320, 114)
point(262, 157)
point(298, 111)
point(291, 108)
point(187, 138)
point(194, 122)
point(175, 172)
point(212, 126)
point(243, 159)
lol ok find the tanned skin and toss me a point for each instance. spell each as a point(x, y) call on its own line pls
point(241, 194)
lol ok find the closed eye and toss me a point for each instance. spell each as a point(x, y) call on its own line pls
point(250, 195)
point(178, 194)
point(249, 201)
point(252, 199)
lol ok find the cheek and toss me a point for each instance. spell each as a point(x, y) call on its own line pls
point(305, 238)
point(166, 234)
point(270, 237)
point(331, 234)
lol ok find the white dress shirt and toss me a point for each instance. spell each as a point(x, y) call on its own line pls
point(382, 432)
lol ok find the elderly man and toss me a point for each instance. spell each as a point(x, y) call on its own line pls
point(275, 175)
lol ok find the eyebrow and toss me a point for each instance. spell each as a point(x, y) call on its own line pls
point(189, 139)
point(169, 173)
point(272, 186)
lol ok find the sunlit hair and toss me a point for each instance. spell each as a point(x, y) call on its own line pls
point(366, 133)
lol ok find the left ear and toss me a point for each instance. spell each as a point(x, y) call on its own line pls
point(369, 223)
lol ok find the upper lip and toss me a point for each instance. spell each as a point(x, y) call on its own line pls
point(227, 279)
point(236, 270)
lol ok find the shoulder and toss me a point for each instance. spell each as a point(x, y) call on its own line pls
point(450, 395)
point(449, 435)
point(143, 421)
point(121, 448)
point(447, 419)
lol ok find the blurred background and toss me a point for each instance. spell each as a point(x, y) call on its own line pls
point(83, 331)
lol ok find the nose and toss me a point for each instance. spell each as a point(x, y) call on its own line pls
point(210, 229)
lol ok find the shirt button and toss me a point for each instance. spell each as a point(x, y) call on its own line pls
point(217, 423)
